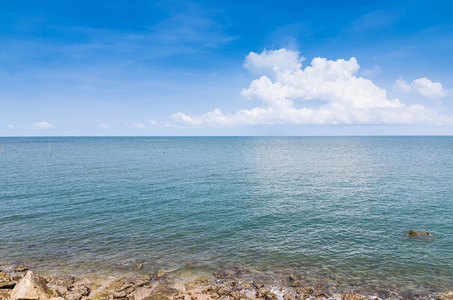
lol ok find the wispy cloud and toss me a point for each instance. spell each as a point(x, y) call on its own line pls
point(11, 126)
point(42, 125)
point(104, 125)
point(135, 125)
point(343, 98)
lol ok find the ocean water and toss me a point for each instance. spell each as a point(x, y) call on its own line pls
point(333, 210)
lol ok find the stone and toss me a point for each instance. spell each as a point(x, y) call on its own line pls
point(296, 283)
point(292, 277)
point(20, 268)
point(7, 284)
point(163, 293)
point(418, 233)
point(258, 285)
point(63, 280)
point(270, 296)
point(223, 290)
point(446, 296)
point(354, 297)
point(101, 296)
point(139, 267)
point(73, 296)
point(288, 297)
point(32, 287)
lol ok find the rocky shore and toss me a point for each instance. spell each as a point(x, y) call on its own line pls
point(17, 282)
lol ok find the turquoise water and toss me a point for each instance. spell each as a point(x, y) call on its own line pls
point(334, 210)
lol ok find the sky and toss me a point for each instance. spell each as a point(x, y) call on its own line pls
point(196, 68)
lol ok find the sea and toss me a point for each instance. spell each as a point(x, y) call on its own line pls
point(334, 211)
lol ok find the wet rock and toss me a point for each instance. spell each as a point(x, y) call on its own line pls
point(263, 290)
point(296, 283)
point(354, 297)
point(237, 295)
point(418, 233)
point(77, 292)
point(139, 267)
point(308, 290)
point(245, 285)
point(292, 277)
point(446, 296)
point(143, 280)
point(223, 290)
point(270, 296)
point(62, 280)
point(32, 287)
point(258, 285)
point(4, 284)
point(21, 269)
point(288, 297)
point(163, 293)
point(213, 289)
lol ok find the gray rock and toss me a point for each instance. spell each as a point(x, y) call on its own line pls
point(32, 287)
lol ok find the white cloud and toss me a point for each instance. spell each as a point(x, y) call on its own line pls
point(423, 86)
point(104, 125)
point(135, 125)
point(11, 126)
point(341, 96)
point(42, 125)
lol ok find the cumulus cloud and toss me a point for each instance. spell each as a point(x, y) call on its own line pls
point(11, 126)
point(135, 125)
point(287, 93)
point(42, 125)
point(423, 86)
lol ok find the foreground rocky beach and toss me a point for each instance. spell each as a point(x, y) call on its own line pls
point(18, 282)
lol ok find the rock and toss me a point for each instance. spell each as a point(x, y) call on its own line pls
point(292, 277)
point(418, 233)
point(306, 291)
point(63, 280)
point(139, 267)
point(270, 296)
point(258, 285)
point(20, 268)
point(446, 296)
point(7, 284)
point(143, 280)
point(288, 297)
point(296, 283)
point(163, 293)
point(223, 290)
point(263, 290)
point(101, 296)
point(32, 287)
point(354, 297)
point(238, 295)
point(73, 296)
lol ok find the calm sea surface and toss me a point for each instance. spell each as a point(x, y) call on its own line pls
point(334, 210)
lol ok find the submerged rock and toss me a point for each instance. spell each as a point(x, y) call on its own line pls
point(418, 233)
point(446, 296)
point(32, 287)
point(292, 277)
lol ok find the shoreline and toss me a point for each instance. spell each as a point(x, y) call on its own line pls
point(183, 285)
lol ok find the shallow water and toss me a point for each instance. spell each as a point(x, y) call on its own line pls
point(334, 210)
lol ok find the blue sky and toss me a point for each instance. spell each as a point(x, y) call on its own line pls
point(226, 67)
